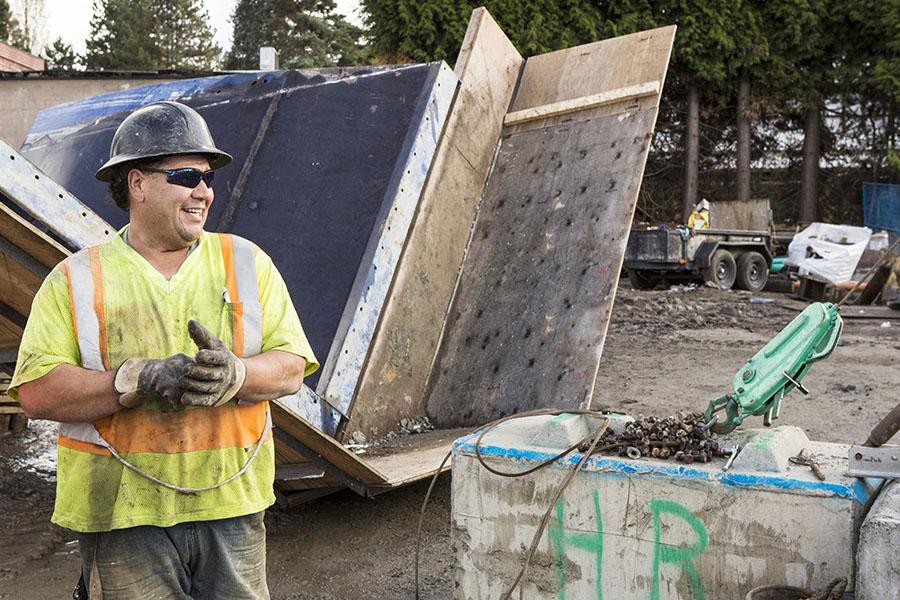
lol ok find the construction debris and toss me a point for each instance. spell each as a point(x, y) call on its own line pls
point(684, 438)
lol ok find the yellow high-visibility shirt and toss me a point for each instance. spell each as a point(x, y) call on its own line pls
point(699, 219)
point(146, 317)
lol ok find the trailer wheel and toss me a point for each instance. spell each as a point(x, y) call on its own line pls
point(721, 270)
point(642, 280)
point(752, 271)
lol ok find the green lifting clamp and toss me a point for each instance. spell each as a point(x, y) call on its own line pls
point(779, 367)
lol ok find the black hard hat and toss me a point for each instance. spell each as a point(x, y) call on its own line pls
point(157, 130)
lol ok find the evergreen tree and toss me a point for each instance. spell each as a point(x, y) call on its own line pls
point(149, 35)
point(305, 33)
point(5, 18)
point(121, 37)
point(10, 30)
point(178, 22)
point(59, 56)
point(426, 30)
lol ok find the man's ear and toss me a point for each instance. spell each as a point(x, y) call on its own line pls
point(136, 181)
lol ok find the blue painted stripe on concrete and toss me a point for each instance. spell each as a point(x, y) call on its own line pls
point(857, 491)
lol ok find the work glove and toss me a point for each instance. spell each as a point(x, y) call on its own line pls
point(140, 379)
point(217, 374)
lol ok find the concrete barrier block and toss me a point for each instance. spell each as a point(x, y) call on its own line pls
point(647, 528)
point(878, 572)
point(768, 450)
point(561, 432)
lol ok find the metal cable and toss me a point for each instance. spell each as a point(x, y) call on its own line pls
point(170, 486)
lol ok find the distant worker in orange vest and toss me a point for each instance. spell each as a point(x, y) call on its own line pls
point(699, 219)
point(158, 352)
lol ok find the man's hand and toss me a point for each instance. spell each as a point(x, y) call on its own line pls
point(140, 379)
point(217, 374)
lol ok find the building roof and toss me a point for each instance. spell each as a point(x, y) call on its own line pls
point(14, 60)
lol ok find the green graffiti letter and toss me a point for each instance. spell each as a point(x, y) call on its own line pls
point(590, 542)
point(683, 554)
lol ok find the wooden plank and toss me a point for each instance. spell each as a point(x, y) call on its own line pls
point(650, 88)
point(407, 467)
point(327, 447)
point(591, 69)
point(30, 239)
point(21, 283)
point(869, 312)
point(10, 409)
point(393, 382)
point(530, 315)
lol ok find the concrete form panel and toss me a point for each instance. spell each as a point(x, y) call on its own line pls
point(352, 342)
point(531, 308)
point(527, 326)
point(400, 356)
point(647, 529)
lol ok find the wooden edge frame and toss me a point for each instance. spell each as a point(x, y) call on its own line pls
point(324, 447)
point(650, 88)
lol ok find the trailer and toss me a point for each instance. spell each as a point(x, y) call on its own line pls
point(723, 257)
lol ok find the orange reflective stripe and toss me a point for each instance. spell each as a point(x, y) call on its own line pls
point(237, 327)
point(97, 277)
point(228, 261)
point(172, 433)
point(237, 323)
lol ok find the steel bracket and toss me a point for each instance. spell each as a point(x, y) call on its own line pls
point(882, 462)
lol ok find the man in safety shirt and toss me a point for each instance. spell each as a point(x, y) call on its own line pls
point(699, 219)
point(158, 352)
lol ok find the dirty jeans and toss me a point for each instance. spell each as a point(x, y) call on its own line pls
point(201, 560)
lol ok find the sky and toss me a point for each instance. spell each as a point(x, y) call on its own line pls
point(70, 19)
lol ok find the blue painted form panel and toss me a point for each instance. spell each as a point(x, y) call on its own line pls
point(318, 190)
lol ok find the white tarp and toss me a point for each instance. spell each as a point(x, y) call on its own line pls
point(828, 251)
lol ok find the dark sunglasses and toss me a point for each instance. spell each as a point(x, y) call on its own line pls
point(189, 178)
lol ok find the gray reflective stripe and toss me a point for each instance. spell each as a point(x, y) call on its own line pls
point(83, 432)
point(248, 294)
point(86, 324)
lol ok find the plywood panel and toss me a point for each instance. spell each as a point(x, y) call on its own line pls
point(29, 238)
point(530, 315)
point(594, 68)
point(400, 355)
point(18, 283)
point(325, 446)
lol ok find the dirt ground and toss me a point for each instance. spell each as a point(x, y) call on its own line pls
point(665, 351)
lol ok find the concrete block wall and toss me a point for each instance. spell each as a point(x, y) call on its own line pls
point(648, 528)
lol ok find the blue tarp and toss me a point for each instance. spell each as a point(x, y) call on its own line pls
point(881, 206)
